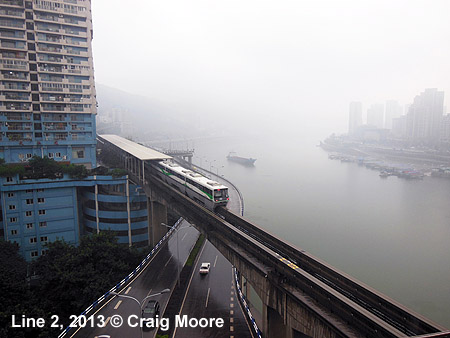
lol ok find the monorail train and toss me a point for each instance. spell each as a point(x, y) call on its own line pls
point(196, 186)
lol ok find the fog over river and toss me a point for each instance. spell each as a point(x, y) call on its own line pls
point(392, 234)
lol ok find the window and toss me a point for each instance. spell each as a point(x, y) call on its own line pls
point(9, 179)
point(77, 152)
point(28, 213)
point(44, 239)
point(34, 254)
point(44, 252)
point(29, 191)
point(29, 225)
point(29, 155)
point(12, 219)
point(10, 194)
point(40, 190)
point(14, 232)
point(41, 200)
point(42, 224)
point(41, 212)
point(12, 207)
point(33, 240)
point(51, 155)
point(30, 201)
point(57, 154)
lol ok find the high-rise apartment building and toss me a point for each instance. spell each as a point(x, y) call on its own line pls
point(355, 116)
point(48, 101)
point(424, 117)
point(375, 115)
point(393, 111)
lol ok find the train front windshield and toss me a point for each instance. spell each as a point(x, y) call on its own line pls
point(220, 194)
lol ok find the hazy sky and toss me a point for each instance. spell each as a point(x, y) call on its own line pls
point(300, 61)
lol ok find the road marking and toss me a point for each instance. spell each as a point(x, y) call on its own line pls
point(231, 328)
point(184, 236)
point(232, 293)
point(107, 321)
point(231, 320)
point(215, 261)
point(130, 282)
point(189, 284)
point(117, 305)
point(168, 261)
point(231, 305)
point(231, 312)
point(207, 297)
point(128, 290)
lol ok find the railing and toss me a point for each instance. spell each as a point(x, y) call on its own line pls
point(122, 283)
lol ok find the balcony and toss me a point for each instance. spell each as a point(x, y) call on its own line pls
point(13, 64)
point(12, 2)
point(12, 12)
point(10, 23)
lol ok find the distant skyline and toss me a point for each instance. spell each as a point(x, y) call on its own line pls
point(292, 61)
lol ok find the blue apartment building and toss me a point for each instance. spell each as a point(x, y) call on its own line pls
point(48, 108)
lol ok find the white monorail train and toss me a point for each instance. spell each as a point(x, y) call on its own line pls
point(196, 186)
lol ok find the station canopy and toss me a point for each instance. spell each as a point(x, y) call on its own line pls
point(139, 151)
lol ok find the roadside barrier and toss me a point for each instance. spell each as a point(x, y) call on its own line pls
point(244, 303)
point(119, 285)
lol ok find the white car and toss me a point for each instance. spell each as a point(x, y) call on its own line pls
point(204, 268)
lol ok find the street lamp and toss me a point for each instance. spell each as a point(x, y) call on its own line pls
point(141, 303)
point(178, 251)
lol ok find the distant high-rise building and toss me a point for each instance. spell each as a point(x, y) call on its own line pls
point(355, 116)
point(375, 115)
point(424, 116)
point(399, 127)
point(445, 129)
point(393, 110)
point(48, 101)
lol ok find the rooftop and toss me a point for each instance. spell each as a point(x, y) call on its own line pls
point(139, 151)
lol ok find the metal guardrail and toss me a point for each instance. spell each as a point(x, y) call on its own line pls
point(244, 303)
point(126, 279)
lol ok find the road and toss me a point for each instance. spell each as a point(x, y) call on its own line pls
point(159, 274)
point(214, 295)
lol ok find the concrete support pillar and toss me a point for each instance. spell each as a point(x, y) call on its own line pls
point(157, 215)
point(273, 324)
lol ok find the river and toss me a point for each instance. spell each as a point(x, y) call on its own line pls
point(392, 234)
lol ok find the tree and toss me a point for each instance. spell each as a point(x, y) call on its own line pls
point(13, 286)
point(71, 278)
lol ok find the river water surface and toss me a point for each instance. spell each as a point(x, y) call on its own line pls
point(392, 234)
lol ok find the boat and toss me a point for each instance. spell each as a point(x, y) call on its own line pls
point(242, 160)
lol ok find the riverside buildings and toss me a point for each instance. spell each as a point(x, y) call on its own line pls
point(48, 108)
point(423, 124)
point(355, 116)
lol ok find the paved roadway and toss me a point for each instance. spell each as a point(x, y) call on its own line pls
point(159, 274)
point(214, 295)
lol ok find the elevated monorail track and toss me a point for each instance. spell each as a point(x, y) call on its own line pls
point(347, 305)
point(391, 312)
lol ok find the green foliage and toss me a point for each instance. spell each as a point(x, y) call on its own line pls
point(13, 286)
point(118, 172)
point(76, 171)
point(73, 277)
point(11, 169)
point(68, 280)
point(44, 167)
point(195, 250)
